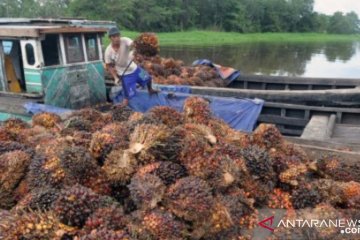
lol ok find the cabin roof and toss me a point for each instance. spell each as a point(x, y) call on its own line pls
point(35, 27)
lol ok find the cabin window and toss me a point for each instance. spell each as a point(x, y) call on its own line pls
point(92, 47)
point(74, 48)
point(30, 54)
point(51, 50)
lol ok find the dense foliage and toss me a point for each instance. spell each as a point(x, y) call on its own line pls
point(243, 16)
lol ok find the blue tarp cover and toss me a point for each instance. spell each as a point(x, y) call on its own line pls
point(34, 108)
point(240, 114)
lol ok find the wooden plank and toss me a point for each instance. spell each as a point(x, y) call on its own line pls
point(352, 82)
point(294, 96)
point(18, 32)
point(313, 108)
point(328, 143)
point(314, 153)
point(72, 30)
point(282, 120)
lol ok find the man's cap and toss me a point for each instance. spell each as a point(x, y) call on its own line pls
point(113, 31)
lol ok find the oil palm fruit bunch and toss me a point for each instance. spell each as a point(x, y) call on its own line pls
point(147, 44)
point(6, 135)
point(280, 199)
point(75, 204)
point(33, 225)
point(120, 166)
point(101, 144)
point(47, 120)
point(76, 123)
point(15, 125)
point(163, 225)
point(40, 199)
point(168, 172)
point(78, 163)
point(228, 211)
point(13, 168)
point(190, 198)
point(105, 234)
point(88, 114)
point(147, 142)
point(305, 196)
point(146, 190)
point(121, 113)
point(349, 193)
point(197, 110)
point(9, 146)
point(120, 131)
point(332, 167)
point(267, 136)
point(167, 115)
point(111, 217)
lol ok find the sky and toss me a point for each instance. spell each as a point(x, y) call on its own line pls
point(331, 6)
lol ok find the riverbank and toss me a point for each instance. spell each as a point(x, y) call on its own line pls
point(209, 38)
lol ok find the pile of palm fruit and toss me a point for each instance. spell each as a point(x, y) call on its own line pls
point(168, 70)
point(160, 175)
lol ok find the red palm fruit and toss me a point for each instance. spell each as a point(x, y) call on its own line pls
point(47, 120)
point(197, 110)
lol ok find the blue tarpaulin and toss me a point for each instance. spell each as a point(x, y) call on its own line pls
point(226, 73)
point(34, 108)
point(240, 114)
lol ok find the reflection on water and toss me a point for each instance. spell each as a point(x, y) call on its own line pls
point(334, 60)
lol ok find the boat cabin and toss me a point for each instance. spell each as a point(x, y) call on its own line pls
point(59, 60)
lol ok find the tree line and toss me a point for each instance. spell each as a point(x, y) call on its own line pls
point(245, 16)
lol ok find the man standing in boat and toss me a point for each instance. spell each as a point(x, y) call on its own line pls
point(119, 62)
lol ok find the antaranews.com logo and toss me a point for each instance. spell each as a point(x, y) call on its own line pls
point(282, 224)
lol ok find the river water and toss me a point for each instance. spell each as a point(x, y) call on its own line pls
point(331, 59)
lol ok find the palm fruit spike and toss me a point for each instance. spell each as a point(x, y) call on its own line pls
point(47, 120)
point(147, 44)
point(280, 199)
point(106, 234)
point(120, 166)
point(146, 190)
point(163, 225)
point(112, 218)
point(13, 167)
point(121, 113)
point(305, 196)
point(197, 110)
point(190, 198)
point(147, 140)
point(167, 115)
point(78, 163)
point(15, 125)
point(75, 204)
point(332, 167)
point(267, 136)
point(168, 172)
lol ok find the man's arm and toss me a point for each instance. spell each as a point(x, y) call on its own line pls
point(110, 66)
